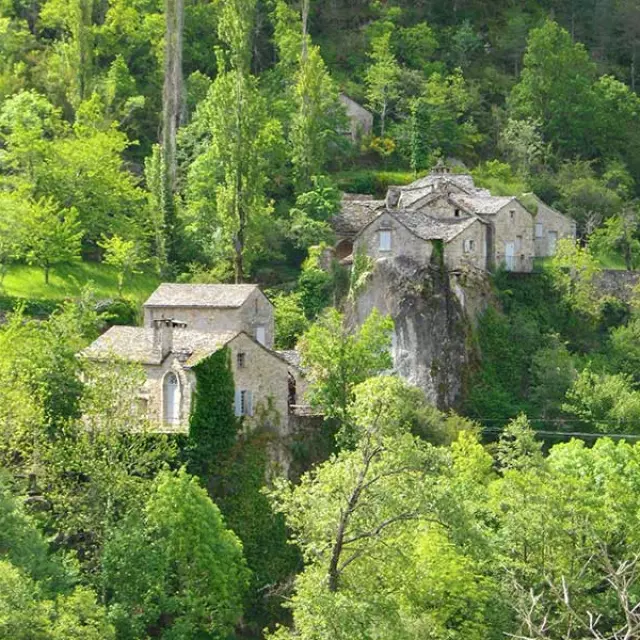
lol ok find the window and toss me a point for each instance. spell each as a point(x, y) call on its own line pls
point(243, 403)
point(468, 245)
point(456, 213)
point(171, 398)
point(261, 334)
point(385, 240)
point(518, 243)
point(240, 360)
point(512, 214)
point(539, 230)
point(553, 242)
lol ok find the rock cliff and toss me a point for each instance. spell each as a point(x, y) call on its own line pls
point(434, 312)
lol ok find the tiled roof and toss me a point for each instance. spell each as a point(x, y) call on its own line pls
point(355, 215)
point(200, 295)
point(486, 205)
point(136, 344)
point(429, 228)
point(290, 356)
point(438, 182)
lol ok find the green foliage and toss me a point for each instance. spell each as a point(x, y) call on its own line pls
point(123, 256)
point(213, 426)
point(605, 403)
point(290, 320)
point(573, 270)
point(51, 236)
point(175, 570)
point(338, 359)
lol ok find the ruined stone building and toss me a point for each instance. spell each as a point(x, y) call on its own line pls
point(444, 214)
point(186, 324)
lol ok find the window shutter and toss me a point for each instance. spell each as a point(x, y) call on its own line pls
point(249, 403)
point(238, 403)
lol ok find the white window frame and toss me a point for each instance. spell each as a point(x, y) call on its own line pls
point(177, 398)
point(539, 230)
point(384, 239)
point(468, 245)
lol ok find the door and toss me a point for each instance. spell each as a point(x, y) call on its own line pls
point(553, 241)
point(509, 256)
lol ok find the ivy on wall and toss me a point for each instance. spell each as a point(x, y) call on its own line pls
point(213, 426)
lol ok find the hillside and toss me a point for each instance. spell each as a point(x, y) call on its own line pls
point(423, 423)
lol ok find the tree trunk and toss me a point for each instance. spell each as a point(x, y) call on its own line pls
point(47, 267)
point(172, 115)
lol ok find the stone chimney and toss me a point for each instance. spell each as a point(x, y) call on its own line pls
point(163, 336)
point(393, 197)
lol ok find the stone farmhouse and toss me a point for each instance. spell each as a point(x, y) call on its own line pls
point(184, 325)
point(446, 215)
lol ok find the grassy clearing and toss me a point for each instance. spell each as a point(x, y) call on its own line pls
point(66, 281)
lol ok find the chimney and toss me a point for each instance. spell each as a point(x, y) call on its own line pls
point(163, 336)
point(393, 197)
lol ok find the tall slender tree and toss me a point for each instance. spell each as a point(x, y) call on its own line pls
point(172, 114)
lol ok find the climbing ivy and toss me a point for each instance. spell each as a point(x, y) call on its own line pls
point(213, 426)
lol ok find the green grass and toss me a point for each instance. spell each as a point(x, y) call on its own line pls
point(66, 281)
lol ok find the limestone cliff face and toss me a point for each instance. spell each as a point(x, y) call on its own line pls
point(434, 312)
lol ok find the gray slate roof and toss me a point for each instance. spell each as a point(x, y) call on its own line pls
point(483, 205)
point(355, 215)
point(429, 228)
point(136, 344)
point(290, 356)
point(201, 295)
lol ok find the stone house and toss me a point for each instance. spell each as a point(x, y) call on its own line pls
point(214, 307)
point(549, 226)
point(360, 119)
point(447, 213)
point(170, 350)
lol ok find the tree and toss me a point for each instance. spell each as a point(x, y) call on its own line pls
point(50, 234)
point(124, 256)
point(176, 569)
point(338, 359)
point(232, 170)
point(290, 320)
point(619, 234)
point(607, 403)
point(367, 519)
point(173, 114)
point(556, 88)
point(383, 85)
point(26, 615)
point(573, 270)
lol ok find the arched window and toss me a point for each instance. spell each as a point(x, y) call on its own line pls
point(171, 398)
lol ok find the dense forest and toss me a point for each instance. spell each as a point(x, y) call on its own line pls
point(203, 141)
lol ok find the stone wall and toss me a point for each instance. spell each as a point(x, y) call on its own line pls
point(403, 242)
point(256, 311)
point(618, 284)
point(551, 221)
point(513, 224)
point(455, 254)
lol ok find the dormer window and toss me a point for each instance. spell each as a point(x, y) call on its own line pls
point(384, 240)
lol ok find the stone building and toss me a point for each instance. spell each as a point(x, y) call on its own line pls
point(214, 307)
point(360, 119)
point(445, 214)
point(186, 324)
point(549, 226)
